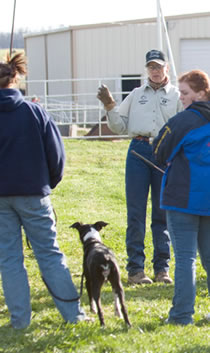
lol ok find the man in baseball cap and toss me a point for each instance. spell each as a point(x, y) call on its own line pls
point(156, 56)
point(141, 115)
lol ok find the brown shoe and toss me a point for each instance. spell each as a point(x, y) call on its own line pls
point(163, 277)
point(139, 278)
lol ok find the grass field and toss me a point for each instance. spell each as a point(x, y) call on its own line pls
point(93, 190)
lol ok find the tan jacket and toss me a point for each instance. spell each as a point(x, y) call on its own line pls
point(144, 111)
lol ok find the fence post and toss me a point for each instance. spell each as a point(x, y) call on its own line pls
point(85, 118)
point(100, 109)
point(45, 94)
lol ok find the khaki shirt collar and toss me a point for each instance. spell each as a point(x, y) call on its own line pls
point(166, 88)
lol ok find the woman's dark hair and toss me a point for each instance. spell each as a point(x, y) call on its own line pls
point(197, 80)
point(11, 68)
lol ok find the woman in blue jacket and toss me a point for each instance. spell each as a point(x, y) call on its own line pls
point(31, 163)
point(183, 144)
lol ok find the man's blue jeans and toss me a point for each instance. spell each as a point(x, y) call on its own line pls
point(139, 178)
point(188, 233)
point(35, 215)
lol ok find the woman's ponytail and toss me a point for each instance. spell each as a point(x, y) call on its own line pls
point(11, 68)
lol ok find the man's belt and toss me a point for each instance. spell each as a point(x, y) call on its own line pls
point(144, 138)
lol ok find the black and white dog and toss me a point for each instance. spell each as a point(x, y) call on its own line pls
point(100, 265)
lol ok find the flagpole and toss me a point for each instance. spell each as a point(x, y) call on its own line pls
point(171, 58)
point(12, 31)
point(159, 27)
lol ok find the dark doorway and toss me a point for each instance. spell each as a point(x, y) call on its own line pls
point(129, 84)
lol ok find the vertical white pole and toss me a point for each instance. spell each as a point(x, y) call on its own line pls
point(159, 27)
point(12, 31)
point(171, 59)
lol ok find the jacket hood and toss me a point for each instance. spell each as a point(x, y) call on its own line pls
point(202, 107)
point(10, 99)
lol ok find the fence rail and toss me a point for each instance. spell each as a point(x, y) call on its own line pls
point(73, 105)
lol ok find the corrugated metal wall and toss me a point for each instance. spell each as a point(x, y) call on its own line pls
point(59, 62)
point(36, 58)
point(106, 50)
point(111, 51)
point(49, 58)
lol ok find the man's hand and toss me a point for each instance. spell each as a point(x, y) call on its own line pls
point(105, 96)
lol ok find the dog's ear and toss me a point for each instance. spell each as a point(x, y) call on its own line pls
point(76, 225)
point(99, 225)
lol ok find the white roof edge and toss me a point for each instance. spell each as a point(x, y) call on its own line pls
point(114, 23)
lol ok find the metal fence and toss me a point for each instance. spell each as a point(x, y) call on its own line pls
point(74, 106)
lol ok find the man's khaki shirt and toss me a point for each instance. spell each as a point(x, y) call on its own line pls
point(144, 111)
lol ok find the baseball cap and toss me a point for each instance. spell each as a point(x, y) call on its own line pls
point(156, 56)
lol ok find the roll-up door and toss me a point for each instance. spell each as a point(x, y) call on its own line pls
point(195, 54)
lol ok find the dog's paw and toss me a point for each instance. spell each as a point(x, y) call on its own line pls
point(94, 311)
point(93, 307)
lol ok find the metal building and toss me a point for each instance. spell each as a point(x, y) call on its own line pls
point(76, 59)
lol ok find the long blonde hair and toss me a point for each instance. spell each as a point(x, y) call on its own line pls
point(9, 69)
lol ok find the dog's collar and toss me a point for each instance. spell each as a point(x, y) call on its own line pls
point(93, 234)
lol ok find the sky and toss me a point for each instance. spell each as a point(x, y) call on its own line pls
point(42, 15)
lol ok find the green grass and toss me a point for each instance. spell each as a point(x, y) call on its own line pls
point(93, 190)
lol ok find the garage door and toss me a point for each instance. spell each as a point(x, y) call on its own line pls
point(195, 54)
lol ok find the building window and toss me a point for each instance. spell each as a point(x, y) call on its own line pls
point(129, 82)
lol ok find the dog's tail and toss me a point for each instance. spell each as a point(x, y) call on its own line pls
point(106, 268)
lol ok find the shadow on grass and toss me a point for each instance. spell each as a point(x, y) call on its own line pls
point(51, 332)
point(71, 338)
point(63, 336)
point(41, 300)
point(47, 332)
point(202, 322)
point(159, 290)
point(195, 349)
point(201, 287)
point(152, 292)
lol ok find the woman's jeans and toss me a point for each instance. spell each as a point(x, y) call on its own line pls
point(188, 233)
point(139, 178)
point(35, 215)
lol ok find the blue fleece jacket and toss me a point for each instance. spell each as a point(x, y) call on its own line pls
point(31, 150)
point(184, 145)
